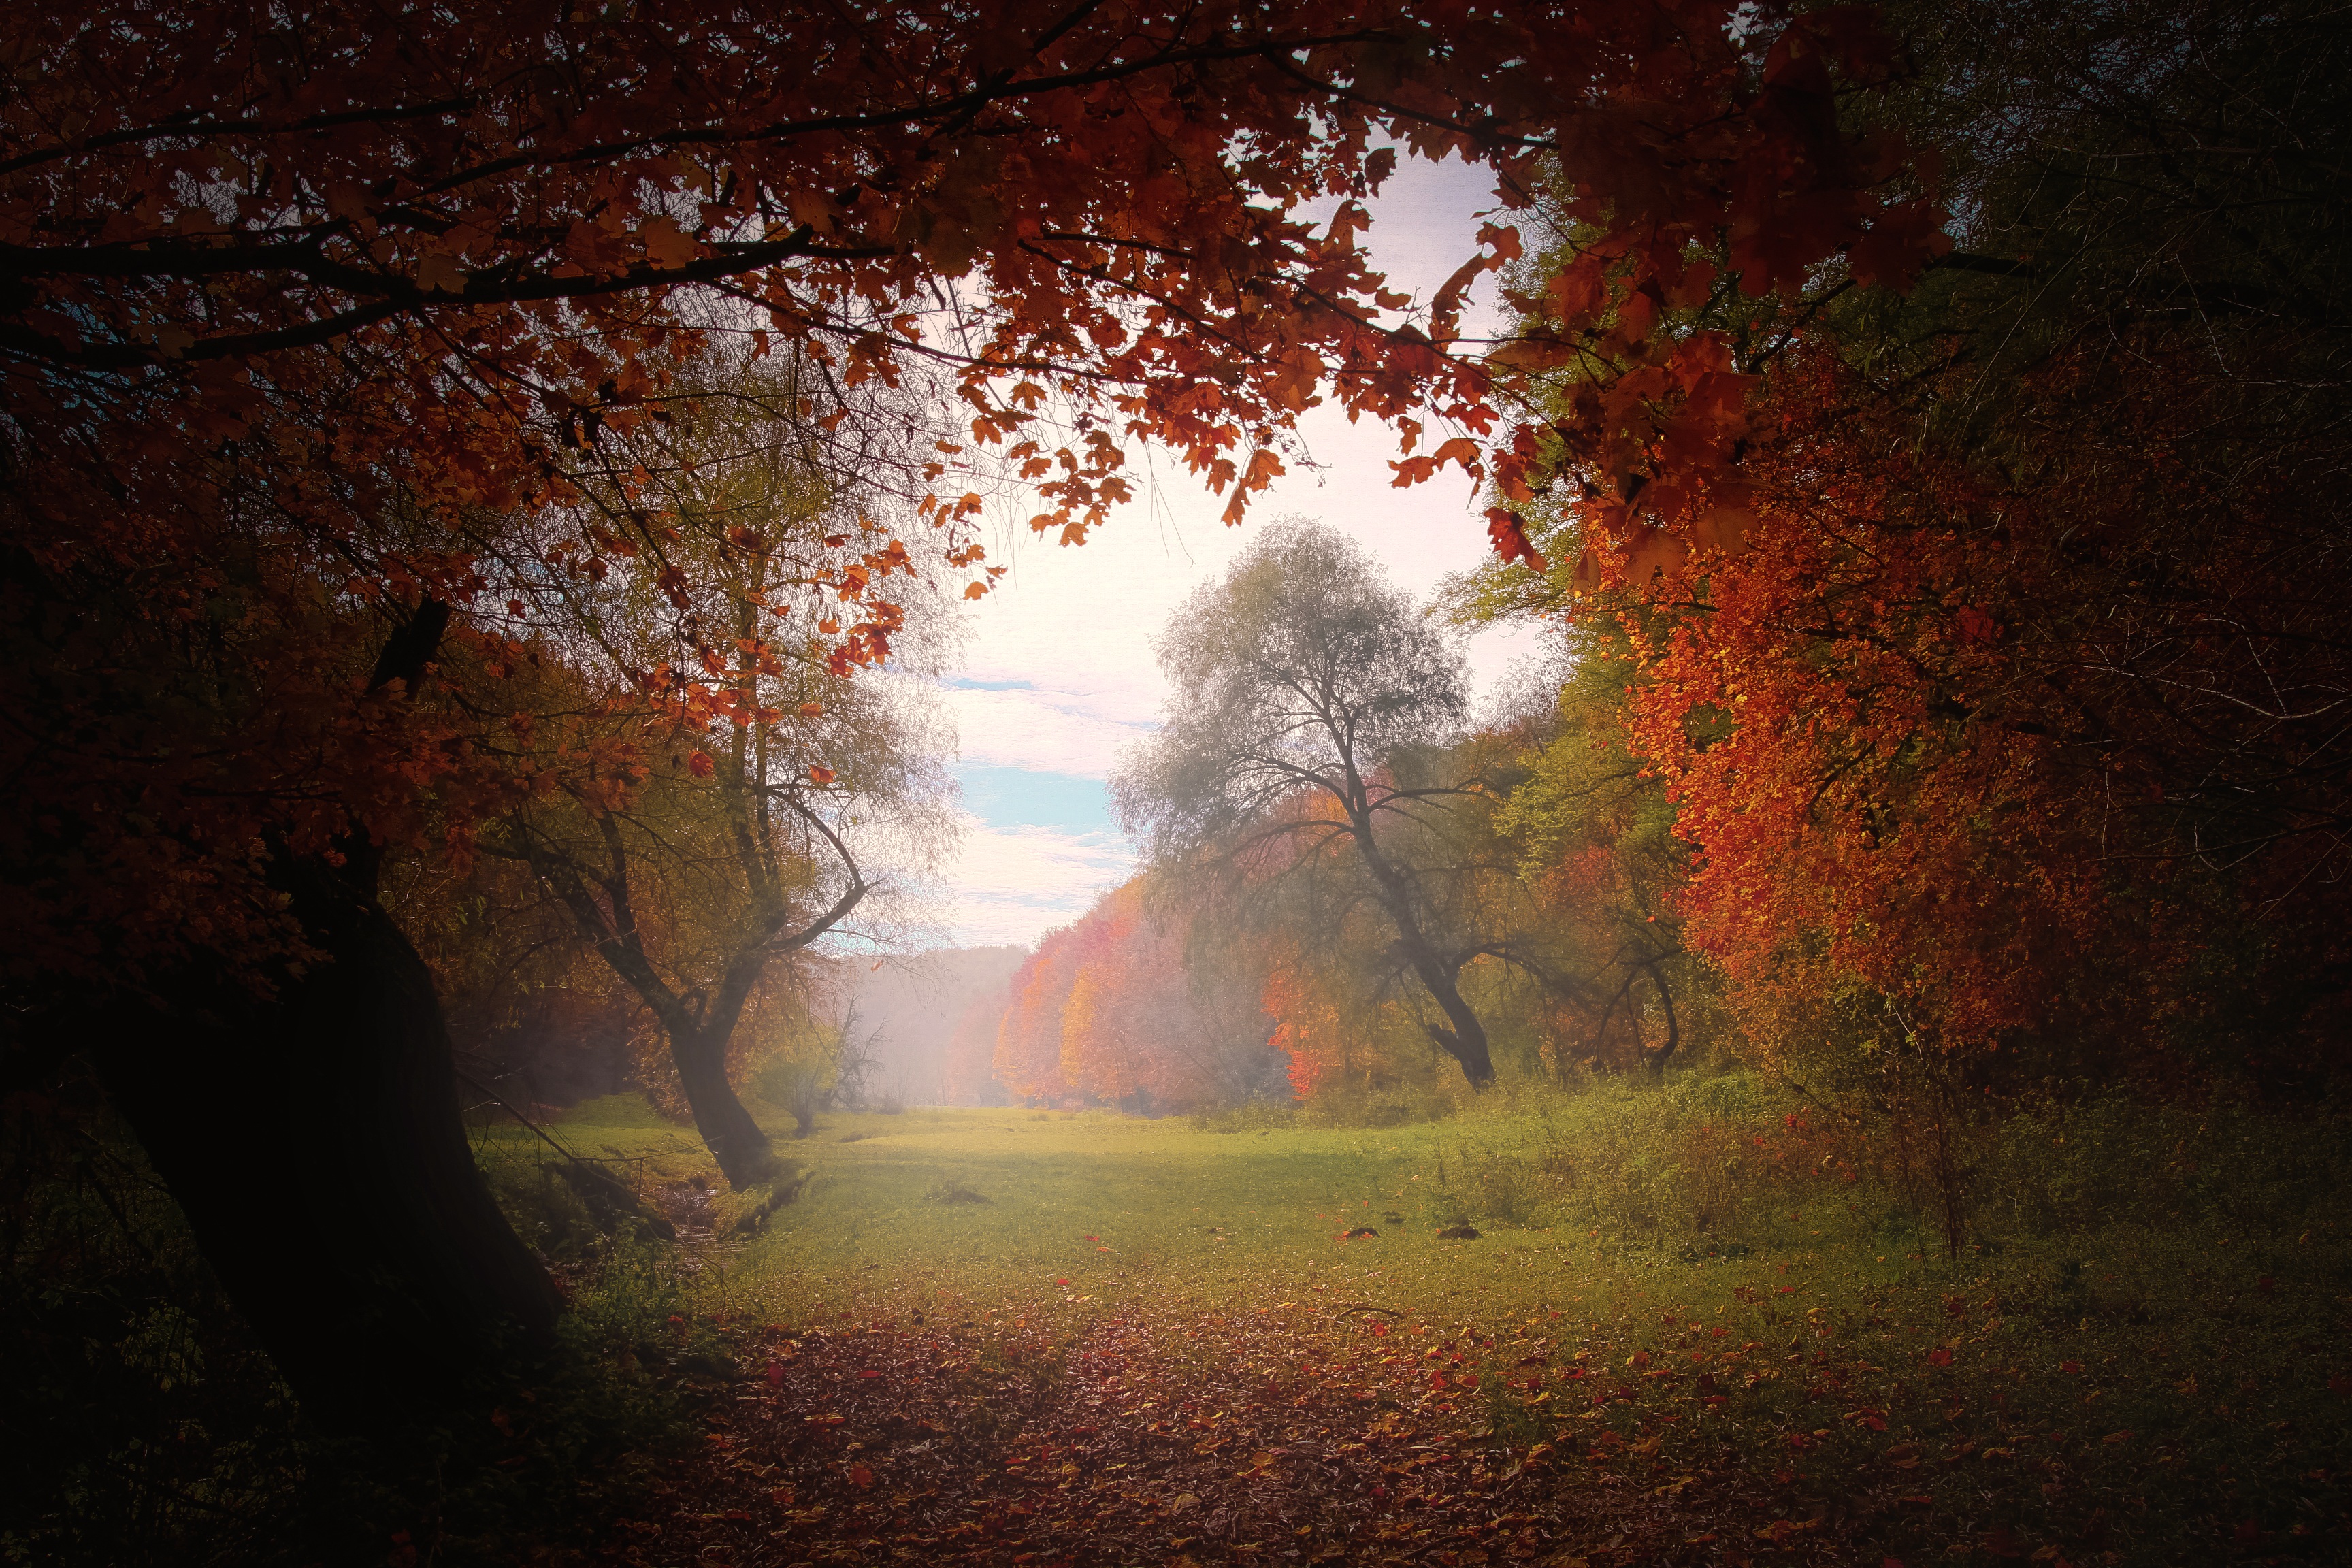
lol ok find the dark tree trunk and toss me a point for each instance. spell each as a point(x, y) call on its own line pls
point(1462, 1036)
point(1658, 1058)
point(699, 1032)
point(314, 1140)
point(1465, 1040)
point(739, 1143)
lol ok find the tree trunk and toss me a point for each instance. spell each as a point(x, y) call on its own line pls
point(314, 1140)
point(1465, 1040)
point(1658, 1058)
point(739, 1143)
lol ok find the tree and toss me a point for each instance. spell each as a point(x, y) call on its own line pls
point(1998, 691)
point(1027, 1059)
point(1589, 825)
point(336, 1066)
point(747, 844)
point(1148, 1021)
point(1301, 687)
point(300, 310)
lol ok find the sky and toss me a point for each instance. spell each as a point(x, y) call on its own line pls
point(1058, 675)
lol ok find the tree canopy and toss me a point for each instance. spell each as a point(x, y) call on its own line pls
point(300, 310)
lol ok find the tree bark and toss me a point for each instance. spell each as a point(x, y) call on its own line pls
point(1657, 1059)
point(698, 1032)
point(314, 1140)
point(311, 1135)
point(1465, 1040)
point(736, 1141)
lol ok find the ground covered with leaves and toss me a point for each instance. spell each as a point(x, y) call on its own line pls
point(1781, 1427)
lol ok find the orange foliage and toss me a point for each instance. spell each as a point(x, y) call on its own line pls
point(1105, 1037)
point(1969, 741)
point(1106, 1009)
point(306, 309)
point(1307, 1029)
point(1850, 823)
point(1028, 1059)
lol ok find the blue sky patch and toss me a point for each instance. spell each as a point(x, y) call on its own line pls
point(1021, 798)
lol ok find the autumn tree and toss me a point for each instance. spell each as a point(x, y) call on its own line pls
point(1979, 674)
point(1027, 1057)
point(1595, 835)
point(1588, 826)
point(1304, 689)
point(727, 841)
point(300, 310)
point(1160, 1013)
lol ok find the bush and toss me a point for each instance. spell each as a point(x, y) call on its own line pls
point(1701, 1161)
point(945, 1191)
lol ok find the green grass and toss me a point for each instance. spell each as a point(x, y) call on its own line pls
point(1212, 1216)
point(1124, 1209)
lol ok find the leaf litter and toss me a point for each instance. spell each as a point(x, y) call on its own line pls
point(1171, 1434)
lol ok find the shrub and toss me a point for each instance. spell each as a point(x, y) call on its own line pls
point(948, 1190)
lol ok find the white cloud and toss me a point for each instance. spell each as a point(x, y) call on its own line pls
point(1043, 730)
point(1011, 884)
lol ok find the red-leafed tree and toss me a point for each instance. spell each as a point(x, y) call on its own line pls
point(1028, 1056)
point(1854, 824)
point(301, 312)
point(1107, 1038)
point(1997, 684)
point(1310, 1027)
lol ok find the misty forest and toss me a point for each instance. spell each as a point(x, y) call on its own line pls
point(1829, 1054)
